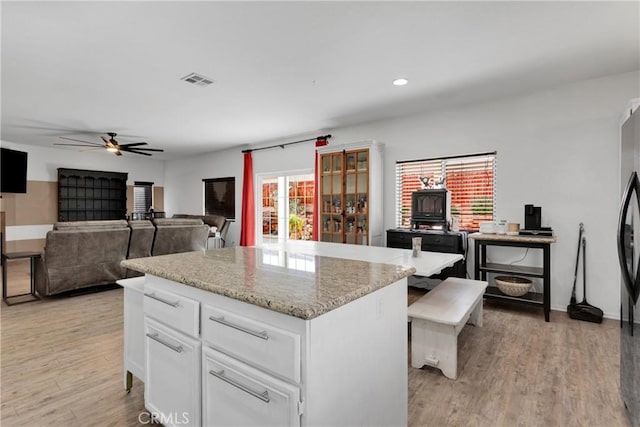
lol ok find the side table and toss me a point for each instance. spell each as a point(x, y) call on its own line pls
point(32, 294)
point(482, 267)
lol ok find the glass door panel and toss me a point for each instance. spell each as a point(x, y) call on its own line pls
point(337, 163)
point(337, 184)
point(287, 207)
point(362, 182)
point(326, 164)
point(351, 183)
point(363, 158)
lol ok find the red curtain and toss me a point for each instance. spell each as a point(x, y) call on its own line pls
point(248, 230)
point(320, 142)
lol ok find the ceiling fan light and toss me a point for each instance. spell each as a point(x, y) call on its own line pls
point(112, 149)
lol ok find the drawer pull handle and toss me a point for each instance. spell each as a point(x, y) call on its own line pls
point(154, 336)
point(157, 298)
point(264, 396)
point(262, 334)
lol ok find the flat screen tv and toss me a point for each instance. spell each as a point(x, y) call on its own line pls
point(220, 197)
point(429, 206)
point(13, 171)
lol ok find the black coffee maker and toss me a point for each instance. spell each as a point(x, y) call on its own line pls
point(532, 217)
point(532, 222)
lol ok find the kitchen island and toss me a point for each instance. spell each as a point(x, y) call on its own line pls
point(271, 337)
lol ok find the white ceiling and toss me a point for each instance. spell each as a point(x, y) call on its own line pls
point(285, 69)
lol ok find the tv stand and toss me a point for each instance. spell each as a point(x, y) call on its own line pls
point(433, 241)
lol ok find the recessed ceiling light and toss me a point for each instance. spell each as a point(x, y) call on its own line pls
point(400, 82)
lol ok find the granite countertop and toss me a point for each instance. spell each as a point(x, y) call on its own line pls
point(298, 285)
point(517, 238)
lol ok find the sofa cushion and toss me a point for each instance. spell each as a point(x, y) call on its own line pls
point(91, 225)
point(141, 241)
point(175, 235)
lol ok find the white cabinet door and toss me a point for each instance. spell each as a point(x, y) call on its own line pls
point(133, 329)
point(172, 376)
point(235, 394)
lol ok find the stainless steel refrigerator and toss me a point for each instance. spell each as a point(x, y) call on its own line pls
point(629, 257)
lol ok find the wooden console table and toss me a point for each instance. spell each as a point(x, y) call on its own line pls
point(32, 294)
point(482, 267)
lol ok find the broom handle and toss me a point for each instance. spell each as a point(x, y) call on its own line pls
point(584, 269)
point(575, 275)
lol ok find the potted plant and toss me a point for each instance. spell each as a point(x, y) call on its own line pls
point(295, 225)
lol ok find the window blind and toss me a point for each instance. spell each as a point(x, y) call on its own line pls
point(470, 179)
point(142, 196)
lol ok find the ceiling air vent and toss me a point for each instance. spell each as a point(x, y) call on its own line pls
point(197, 79)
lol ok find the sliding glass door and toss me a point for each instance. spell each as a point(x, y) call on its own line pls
point(286, 207)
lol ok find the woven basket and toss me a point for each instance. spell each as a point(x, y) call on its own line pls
point(513, 286)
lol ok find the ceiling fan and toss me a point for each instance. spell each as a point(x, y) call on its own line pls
point(112, 145)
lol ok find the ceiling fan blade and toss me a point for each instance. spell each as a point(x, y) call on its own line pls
point(79, 140)
point(137, 152)
point(78, 145)
point(134, 144)
point(142, 149)
point(107, 142)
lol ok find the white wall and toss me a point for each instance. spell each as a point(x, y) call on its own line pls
point(557, 148)
point(43, 163)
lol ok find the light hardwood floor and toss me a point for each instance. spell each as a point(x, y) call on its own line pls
point(61, 364)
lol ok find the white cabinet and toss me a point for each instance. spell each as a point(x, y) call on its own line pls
point(235, 394)
point(133, 330)
point(172, 382)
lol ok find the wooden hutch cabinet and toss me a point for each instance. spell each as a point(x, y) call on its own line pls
point(350, 194)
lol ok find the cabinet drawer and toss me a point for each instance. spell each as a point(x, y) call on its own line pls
point(236, 394)
point(449, 243)
point(259, 344)
point(440, 243)
point(398, 240)
point(179, 312)
point(173, 382)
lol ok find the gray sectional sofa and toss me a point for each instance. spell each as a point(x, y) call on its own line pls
point(83, 254)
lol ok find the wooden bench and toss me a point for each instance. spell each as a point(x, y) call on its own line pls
point(438, 317)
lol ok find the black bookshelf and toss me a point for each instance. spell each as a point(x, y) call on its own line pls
point(85, 195)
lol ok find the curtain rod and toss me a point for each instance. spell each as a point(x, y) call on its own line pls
point(488, 153)
point(318, 138)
